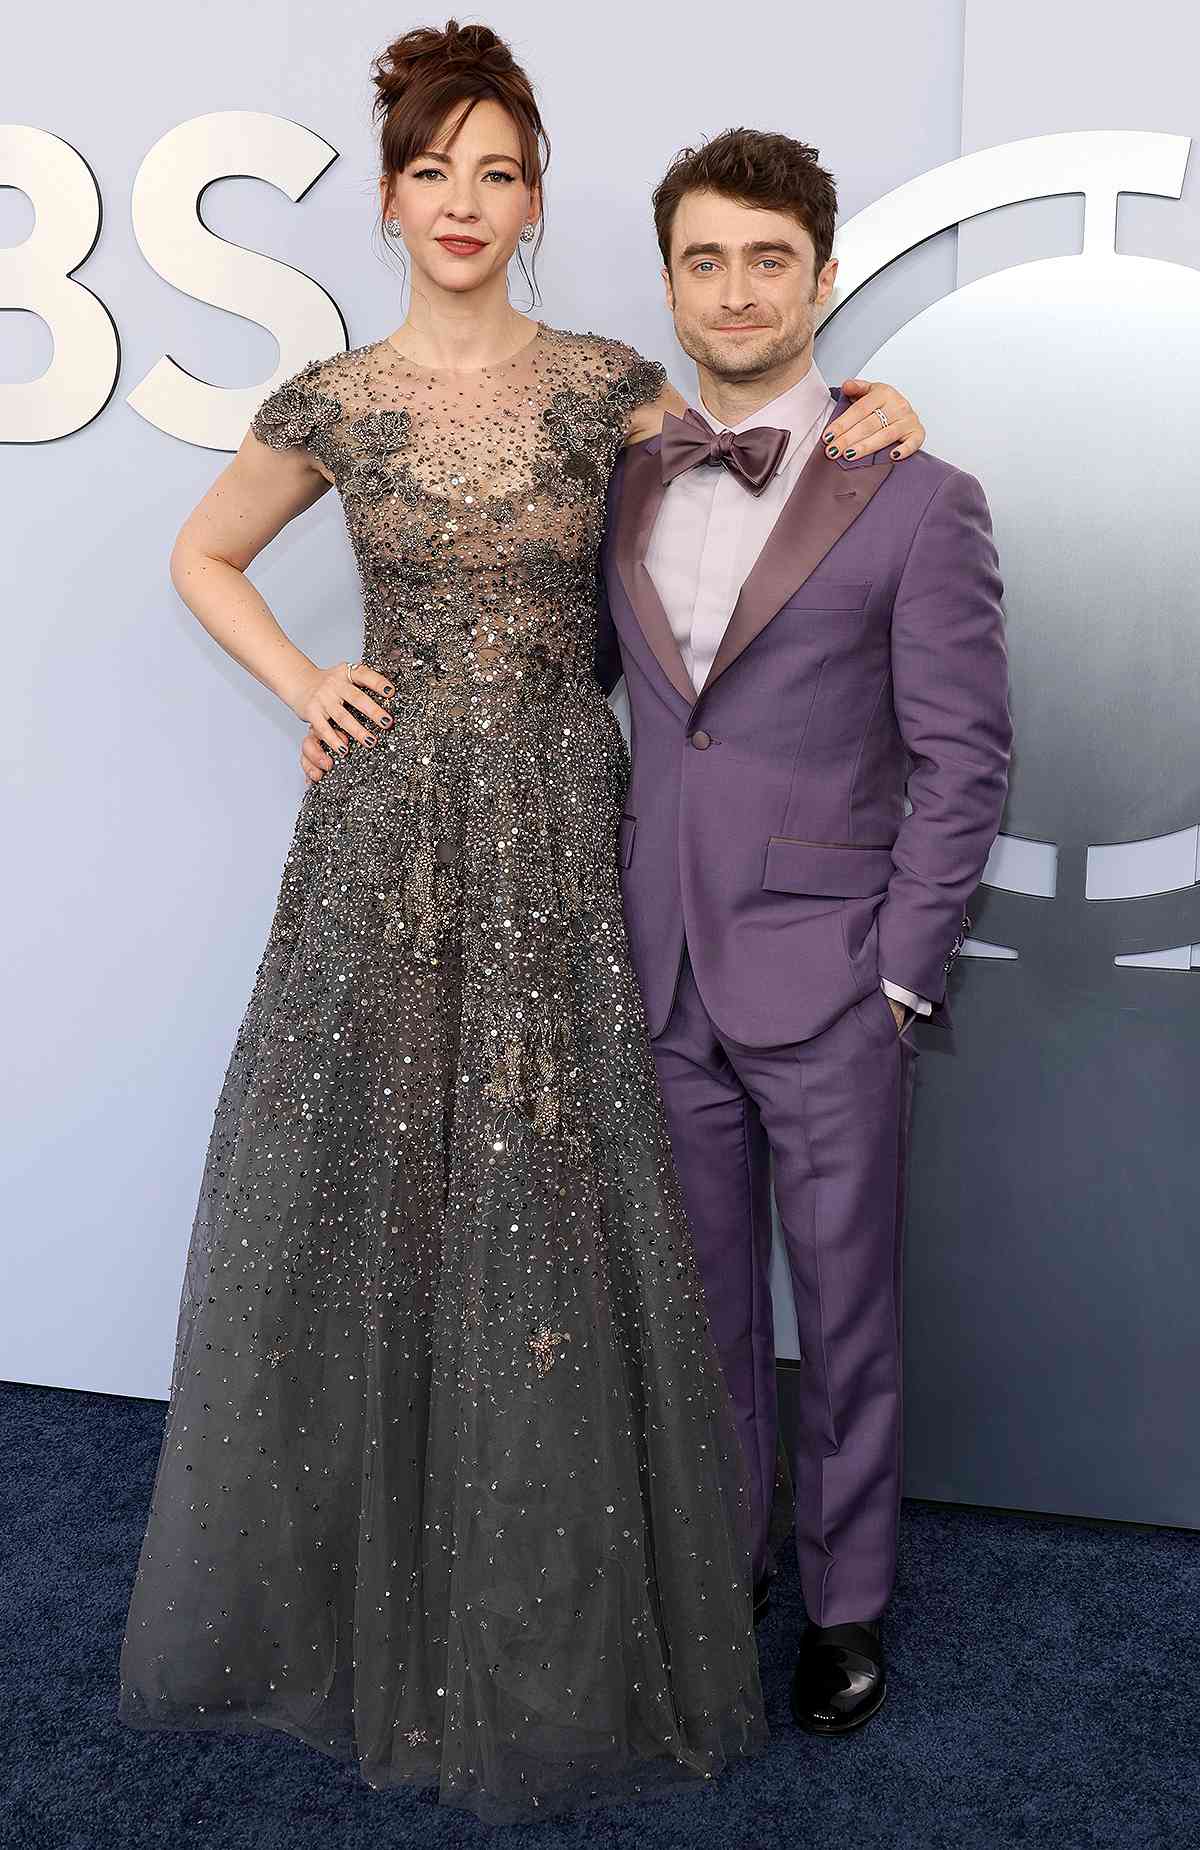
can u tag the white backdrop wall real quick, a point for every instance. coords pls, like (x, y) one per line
(151, 785)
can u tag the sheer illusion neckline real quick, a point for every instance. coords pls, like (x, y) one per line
(466, 372)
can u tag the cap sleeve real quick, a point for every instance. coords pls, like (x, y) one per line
(297, 413)
(635, 381)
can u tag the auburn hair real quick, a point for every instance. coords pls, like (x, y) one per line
(424, 75)
(757, 169)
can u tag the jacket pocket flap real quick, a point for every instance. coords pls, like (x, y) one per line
(830, 594)
(625, 835)
(829, 869)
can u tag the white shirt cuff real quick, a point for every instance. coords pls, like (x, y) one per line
(918, 1004)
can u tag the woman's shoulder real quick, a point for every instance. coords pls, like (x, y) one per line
(312, 399)
(609, 364)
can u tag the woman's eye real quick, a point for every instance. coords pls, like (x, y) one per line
(497, 173)
(428, 173)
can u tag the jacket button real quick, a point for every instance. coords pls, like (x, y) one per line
(701, 740)
(445, 852)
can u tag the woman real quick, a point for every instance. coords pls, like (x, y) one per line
(449, 1483)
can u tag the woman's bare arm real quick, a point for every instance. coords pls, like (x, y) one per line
(647, 419)
(252, 500)
(858, 432)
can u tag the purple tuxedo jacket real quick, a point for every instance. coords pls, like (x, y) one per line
(765, 817)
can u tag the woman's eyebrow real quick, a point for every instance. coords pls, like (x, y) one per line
(485, 160)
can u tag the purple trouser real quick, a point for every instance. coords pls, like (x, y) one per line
(833, 1114)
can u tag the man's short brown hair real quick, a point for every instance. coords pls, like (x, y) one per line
(772, 172)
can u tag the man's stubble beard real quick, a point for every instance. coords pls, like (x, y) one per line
(781, 349)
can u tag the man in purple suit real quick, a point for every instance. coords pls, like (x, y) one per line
(803, 634)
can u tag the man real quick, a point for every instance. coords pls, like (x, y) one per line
(797, 628)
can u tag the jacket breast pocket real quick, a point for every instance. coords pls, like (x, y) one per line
(625, 834)
(843, 597)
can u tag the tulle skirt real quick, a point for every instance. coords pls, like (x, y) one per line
(449, 1482)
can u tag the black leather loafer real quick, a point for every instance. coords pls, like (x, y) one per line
(839, 1681)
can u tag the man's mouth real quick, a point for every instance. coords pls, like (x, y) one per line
(461, 247)
(742, 327)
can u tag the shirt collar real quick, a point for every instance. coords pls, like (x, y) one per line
(795, 411)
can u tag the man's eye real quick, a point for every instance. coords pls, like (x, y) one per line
(705, 265)
(770, 263)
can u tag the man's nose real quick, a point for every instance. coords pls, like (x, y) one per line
(737, 296)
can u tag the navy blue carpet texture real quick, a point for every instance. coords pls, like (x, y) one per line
(1044, 1691)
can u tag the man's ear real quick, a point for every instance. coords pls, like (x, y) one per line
(825, 282)
(670, 293)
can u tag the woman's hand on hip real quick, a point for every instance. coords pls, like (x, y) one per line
(335, 706)
(314, 758)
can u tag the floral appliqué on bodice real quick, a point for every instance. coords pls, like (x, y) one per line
(475, 505)
(474, 501)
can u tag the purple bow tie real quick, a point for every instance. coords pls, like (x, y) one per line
(751, 455)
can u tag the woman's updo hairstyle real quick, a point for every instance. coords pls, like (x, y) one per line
(424, 75)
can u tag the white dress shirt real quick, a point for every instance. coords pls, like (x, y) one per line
(710, 531)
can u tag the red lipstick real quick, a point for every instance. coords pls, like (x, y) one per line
(461, 247)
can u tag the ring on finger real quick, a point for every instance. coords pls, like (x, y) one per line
(350, 667)
(882, 415)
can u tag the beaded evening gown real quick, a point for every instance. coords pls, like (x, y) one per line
(449, 1482)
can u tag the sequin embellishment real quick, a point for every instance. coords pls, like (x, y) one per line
(545, 1345)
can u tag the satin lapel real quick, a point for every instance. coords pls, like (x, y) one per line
(641, 498)
(826, 500)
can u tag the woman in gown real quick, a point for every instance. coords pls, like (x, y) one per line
(449, 1483)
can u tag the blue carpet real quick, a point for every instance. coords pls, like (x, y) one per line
(1044, 1692)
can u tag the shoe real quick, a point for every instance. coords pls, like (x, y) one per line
(839, 1681)
(762, 1597)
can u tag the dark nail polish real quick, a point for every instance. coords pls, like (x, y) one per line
(828, 437)
(850, 453)
(895, 456)
(832, 450)
(386, 720)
